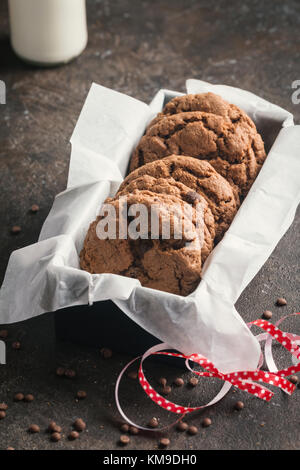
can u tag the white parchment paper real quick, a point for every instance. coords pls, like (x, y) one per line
(46, 276)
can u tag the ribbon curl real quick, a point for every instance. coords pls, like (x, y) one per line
(244, 380)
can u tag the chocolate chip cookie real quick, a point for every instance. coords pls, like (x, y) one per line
(215, 104)
(185, 177)
(233, 150)
(208, 103)
(166, 263)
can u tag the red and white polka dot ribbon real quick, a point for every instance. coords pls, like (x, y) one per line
(249, 381)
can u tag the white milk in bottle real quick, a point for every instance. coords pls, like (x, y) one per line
(48, 32)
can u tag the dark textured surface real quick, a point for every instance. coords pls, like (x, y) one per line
(138, 47)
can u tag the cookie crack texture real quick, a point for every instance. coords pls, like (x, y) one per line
(206, 127)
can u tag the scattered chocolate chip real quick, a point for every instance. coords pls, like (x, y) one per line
(267, 314)
(294, 379)
(73, 435)
(55, 437)
(124, 427)
(29, 398)
(166, 390)
(281, 302)
(15, 229)
(153, 423)
(81, 394)
(133, 430)
(124, 440)
(3, 334)
(182, 426)
(164, 442)
(34, 428)
(16, 345)
(70, 373)
(206, 422)
(79, 425)
(34, 208)
(239, 405)
(179, 382)
(3, 406)
(132, 375)
(106, 353)
(53, 427)
(163, 381)
(19, 397)
(192, 430)
(60, 371)
(2, 414)
(193, 381)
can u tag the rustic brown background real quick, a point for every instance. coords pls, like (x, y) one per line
(137, 47)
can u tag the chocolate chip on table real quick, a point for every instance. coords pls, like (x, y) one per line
(192, 430)
(106, 353)
(124, 439)
(53, 427)
(81, 394)
(153, 423)
(132, 375)
(193, 381)
(3, 406)
(179, 382)
(163, 381)
(164, 442)
(79, 425)
(2, 414)
(239, 405)
(280, 302)
(206, 422)
(182, 426)
(34, 428)
(15, 229)
(166, 390)
(70, 373)
(294, 379)
(16, 345)
(34, 208)
(267, 314)
(60, 371)
(19, 397)
(124, 427)
(29, 398)
(55, 437)
(73, 435)
(133, 430)
(3, 334)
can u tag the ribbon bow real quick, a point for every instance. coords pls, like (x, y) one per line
(249, 381)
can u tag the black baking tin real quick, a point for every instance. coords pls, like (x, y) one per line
(102, 324)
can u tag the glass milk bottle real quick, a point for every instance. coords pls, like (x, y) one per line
(48, 32)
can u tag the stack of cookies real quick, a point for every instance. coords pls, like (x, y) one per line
(196, 163)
